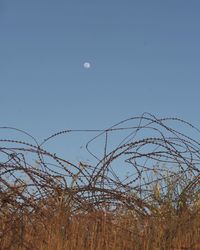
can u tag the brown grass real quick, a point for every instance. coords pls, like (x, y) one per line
(59, 230)
(53, 204)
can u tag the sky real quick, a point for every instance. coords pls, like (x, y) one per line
(144, 55)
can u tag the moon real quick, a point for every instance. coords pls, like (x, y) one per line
(87, 65)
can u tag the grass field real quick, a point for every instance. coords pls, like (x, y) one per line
(53, 204)
(54, 227)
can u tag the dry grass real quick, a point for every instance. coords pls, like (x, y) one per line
(53, 204)
(59, 230)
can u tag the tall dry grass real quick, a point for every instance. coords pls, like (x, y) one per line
(59, 229)
(54, 204)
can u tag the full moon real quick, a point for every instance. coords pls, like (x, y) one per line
(87, 65)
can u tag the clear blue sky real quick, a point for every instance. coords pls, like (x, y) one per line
(145, 56)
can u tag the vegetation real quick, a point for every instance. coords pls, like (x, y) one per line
(140, 192)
